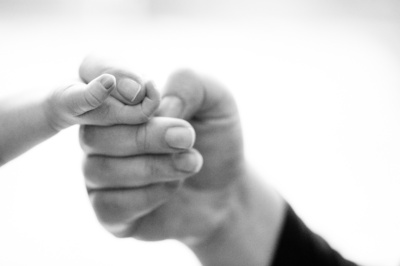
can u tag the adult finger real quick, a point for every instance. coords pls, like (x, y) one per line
(118, 209)
(212, 111)
(159, 135)
(110, 172)
(130, 87)
(188, 95)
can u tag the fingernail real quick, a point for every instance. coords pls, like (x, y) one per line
(171, 106)
(180, 137)
(129, 88)
(188, 162)
(108, 81)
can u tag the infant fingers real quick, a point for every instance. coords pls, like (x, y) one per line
(81, 99)
(130, 88)
(114, 112)
(134, 114)
(152, 100)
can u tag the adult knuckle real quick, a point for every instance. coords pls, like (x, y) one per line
(112, 70)
(141, 138)
(88, 168)
(152, 166)
(183, 73)
(121, 234)
(107, 209)
(88, 135)
(96, 171)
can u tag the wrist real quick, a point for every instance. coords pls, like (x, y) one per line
(249, 233)
(52, 113)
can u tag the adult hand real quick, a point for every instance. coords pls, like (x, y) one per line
(145, 180)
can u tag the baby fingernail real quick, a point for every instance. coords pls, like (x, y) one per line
(188, 162)
(180, 137)
(108, 81)
(129, 88)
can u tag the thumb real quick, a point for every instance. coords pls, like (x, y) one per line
(83, 99)
(131, 88)
(189, 96)
(212, 111)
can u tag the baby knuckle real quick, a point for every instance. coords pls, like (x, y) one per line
(92, 100)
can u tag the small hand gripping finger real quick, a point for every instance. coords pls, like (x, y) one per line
(67, 105)
(130, 87)
(114, 112)
(152, 100)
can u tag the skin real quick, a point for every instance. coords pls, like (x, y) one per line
(25, 122)
(204, 195)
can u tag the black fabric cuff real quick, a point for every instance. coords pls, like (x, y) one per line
(299, 246)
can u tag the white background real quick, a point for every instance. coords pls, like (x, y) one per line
(318, 87)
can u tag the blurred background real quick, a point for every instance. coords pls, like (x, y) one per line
(317, 84)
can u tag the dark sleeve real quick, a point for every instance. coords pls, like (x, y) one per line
(299, 246)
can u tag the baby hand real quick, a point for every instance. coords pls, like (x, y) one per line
(91, 104)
